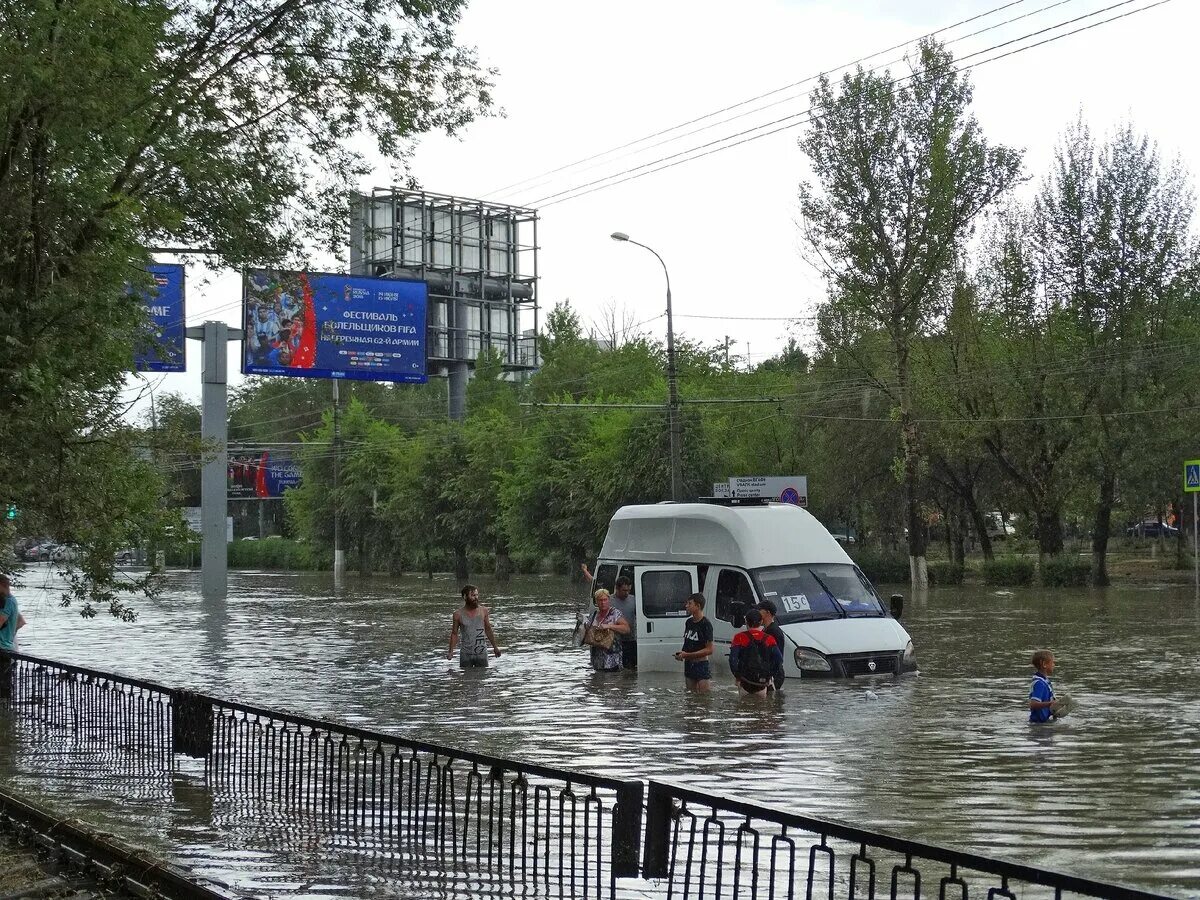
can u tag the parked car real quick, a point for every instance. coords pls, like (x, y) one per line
(65, 553)
(1152, 528)
(125, 556)
(40, 552)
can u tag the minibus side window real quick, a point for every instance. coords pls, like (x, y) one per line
(606, 577)
(734, 596)
(665, 593)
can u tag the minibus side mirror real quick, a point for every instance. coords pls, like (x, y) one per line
(897, 605)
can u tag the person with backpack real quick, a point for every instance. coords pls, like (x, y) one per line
(754, 656)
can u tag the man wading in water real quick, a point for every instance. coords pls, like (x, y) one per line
(472, 620)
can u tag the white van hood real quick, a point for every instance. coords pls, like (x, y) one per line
(838, 636)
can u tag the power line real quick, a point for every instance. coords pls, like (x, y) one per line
(788, 122)
(756, 98)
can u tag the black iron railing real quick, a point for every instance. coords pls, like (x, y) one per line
(427, 812)
(704, 846)
(427, 808)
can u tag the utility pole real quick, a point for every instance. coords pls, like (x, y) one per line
(214, 430)
(339, 555)
(727, 351)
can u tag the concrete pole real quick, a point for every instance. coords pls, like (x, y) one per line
(214, 430)
(339, 554)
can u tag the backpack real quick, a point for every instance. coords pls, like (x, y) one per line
(755, 665)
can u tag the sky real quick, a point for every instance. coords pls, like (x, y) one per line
(575, 81)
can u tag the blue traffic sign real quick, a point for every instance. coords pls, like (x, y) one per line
(1191, 476)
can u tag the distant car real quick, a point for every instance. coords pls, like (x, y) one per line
(1152, 528)
(125, 556)
(40, 552)
(65, 553)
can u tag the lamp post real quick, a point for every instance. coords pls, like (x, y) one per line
(674, 429)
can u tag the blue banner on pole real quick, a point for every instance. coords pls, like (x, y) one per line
(317, 325)
(165, 349)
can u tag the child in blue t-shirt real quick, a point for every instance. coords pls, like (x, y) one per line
(1041, 694)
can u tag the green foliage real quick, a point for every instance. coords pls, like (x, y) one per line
(1065, 571)
(883, 568)
(943, 573)
(230, 126)
(903, 170)
(1008, 571)
(277, 553)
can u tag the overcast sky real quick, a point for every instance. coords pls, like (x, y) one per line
(577, 80)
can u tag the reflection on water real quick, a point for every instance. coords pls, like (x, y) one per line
(946, 757)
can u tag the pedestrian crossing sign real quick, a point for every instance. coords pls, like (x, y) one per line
(1191, 476)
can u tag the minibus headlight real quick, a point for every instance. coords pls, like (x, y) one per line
(809, 660)
(910, 654)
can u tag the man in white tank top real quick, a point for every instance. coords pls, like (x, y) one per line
(474, 625)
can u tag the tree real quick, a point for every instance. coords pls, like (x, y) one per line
(903, 171)
(209, 124)
(1113, 227)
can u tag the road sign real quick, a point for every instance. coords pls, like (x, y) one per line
(787, 488)
(1191, 476)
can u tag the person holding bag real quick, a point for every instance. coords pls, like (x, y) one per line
(601, 631)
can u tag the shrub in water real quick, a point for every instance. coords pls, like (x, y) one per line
(1008, 571)
(1065, 571)
(944, 572)
(883, 568)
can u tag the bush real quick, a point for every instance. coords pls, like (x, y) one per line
(943, 572)
(1008, 571)
(277, 553)
(883, 568)
(1066, 571)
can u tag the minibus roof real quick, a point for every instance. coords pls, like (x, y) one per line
(750, 537)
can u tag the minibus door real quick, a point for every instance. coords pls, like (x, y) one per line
(662, 592)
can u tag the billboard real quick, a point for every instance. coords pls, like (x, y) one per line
(165, 350)
(260, 477)
(784, 488)
(318, 325)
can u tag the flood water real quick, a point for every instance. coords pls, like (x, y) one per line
(1112, 793)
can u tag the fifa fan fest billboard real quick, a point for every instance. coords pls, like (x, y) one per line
(165, 345)
(318, 325)
(260, 476)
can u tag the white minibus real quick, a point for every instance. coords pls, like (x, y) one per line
(738, 555)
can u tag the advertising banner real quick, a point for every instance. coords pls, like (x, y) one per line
(260, 477)
(164, 303)
(316, 325)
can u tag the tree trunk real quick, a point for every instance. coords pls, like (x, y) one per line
(1185, 525)
(979, 523)
(1049, 532)
(503, 562)
(364, 557)
(917, 567)
(1101, 525)
(959, 550)
(461, 569)
(428, 562)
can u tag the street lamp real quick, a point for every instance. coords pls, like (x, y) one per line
(674, 429)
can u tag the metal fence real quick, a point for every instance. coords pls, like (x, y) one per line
(430, 810)
(426, 813)
(704, 846)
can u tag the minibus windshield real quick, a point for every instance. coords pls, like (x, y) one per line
(802, 593)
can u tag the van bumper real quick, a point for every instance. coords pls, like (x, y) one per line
(854, 665)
